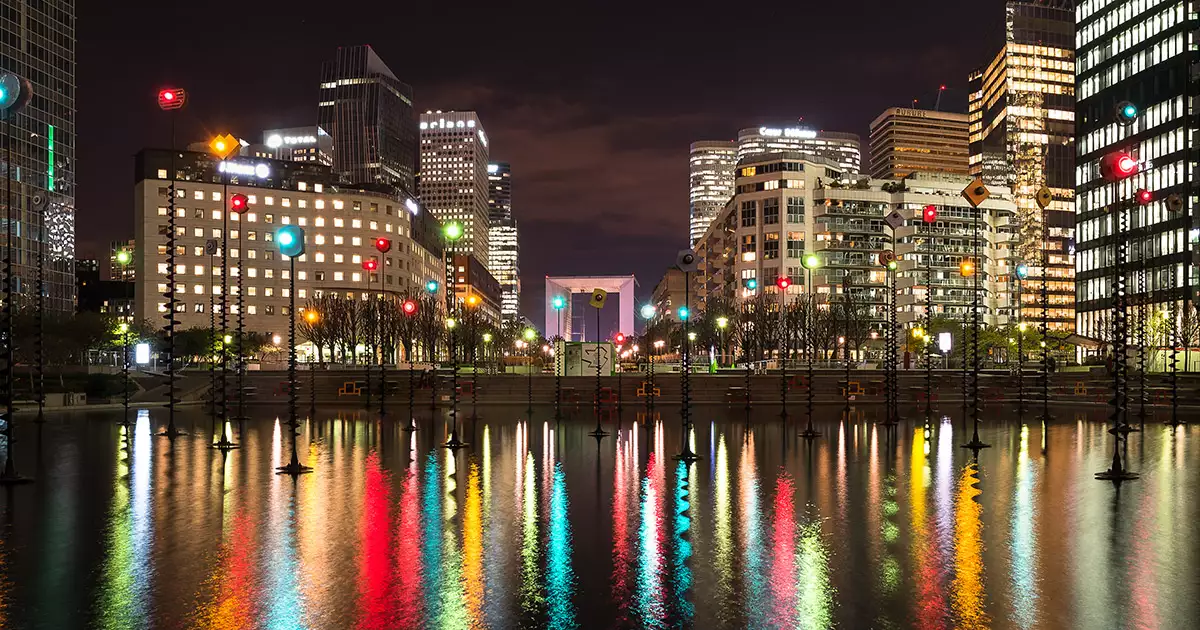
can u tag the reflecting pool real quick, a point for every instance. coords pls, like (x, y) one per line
(537, 524)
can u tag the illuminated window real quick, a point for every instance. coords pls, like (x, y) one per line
(319, 257)
(356, 223)
(216, 196)
(337, 204)
(319, 204)
(286, 202)
(338, 276)
(356, 259)
(319, 239)
(338, 239)
(198, 289)
(337, 258)
(356, 277)
(270, 201)
(198, 195)
(319, 221)
(356, 241)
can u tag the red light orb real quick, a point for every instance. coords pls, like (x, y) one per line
(783, 282)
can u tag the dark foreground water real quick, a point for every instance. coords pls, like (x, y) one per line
(537, 525)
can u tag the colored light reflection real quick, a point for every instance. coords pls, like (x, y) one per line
(754, 605)
(814, 593)
(682, 579)
(783, 566)
(408, 547)
(374, 561)
(966, 595)
(560, 576)
(1024, 540)
(650, 598)
(126, 574)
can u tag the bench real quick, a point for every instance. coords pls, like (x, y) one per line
(351, 388)
(645, 390)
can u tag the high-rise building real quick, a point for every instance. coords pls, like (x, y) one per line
(711, 166)
(1142, 53)
(39, 45)
(470, 278)
(298, 144)
(843, 149)
(369, 114)
(789, 205)
(1022, 125)
(454, 177)
(906, 141)
(504, 249)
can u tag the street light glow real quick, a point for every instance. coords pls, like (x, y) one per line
(454, 231)
(529, 334)
(722, 321)
(558, 302)
(648, 311)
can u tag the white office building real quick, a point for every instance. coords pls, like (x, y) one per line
(843, 149)
(454, 177)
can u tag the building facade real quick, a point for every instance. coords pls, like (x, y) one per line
(341, 224)
(843, 149)
(1137, 51)
(710, 164)
(471, 279)
(38, 44)
(789, 204)
(369, 114)
(906, 141)
(504, 244)
(1022, 125)
(454, 177)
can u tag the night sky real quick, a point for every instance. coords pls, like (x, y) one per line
(594, 104)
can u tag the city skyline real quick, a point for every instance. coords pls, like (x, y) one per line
(557, 127)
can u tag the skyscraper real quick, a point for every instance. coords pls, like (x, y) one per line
(504, 246)
(454, 177)
(843, 149)
(711, 164)
(39, 45)
(369, 114)
(1022, 126)
(906, 141)
(1140, 52)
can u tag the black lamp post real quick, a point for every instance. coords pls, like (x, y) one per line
(810, 262)
(410, 307)
(222, 147)
(558, 303)
(782, 283)
(452, 232)
(290, 241)
(171, 100)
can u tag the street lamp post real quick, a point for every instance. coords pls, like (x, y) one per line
(1022, 273)
(123, 329)
(369, 266)
(558, 303)
(238, 204)
(222, 147)
(722, 324)
(171, 100)
(409, 307)
(648, 311)
(810, 262)
(472, 315)
(452, 232)
(383, 246)
(290, 241)
(972, 193)
(431, 286)
(783, 282)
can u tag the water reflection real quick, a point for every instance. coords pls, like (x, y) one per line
(536, 525)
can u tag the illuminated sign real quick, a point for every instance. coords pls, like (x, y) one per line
(790, 132)
(411, 205)
(275, 140)
(492, 168)
(250, 170)
(442, 123)
(141, 353)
